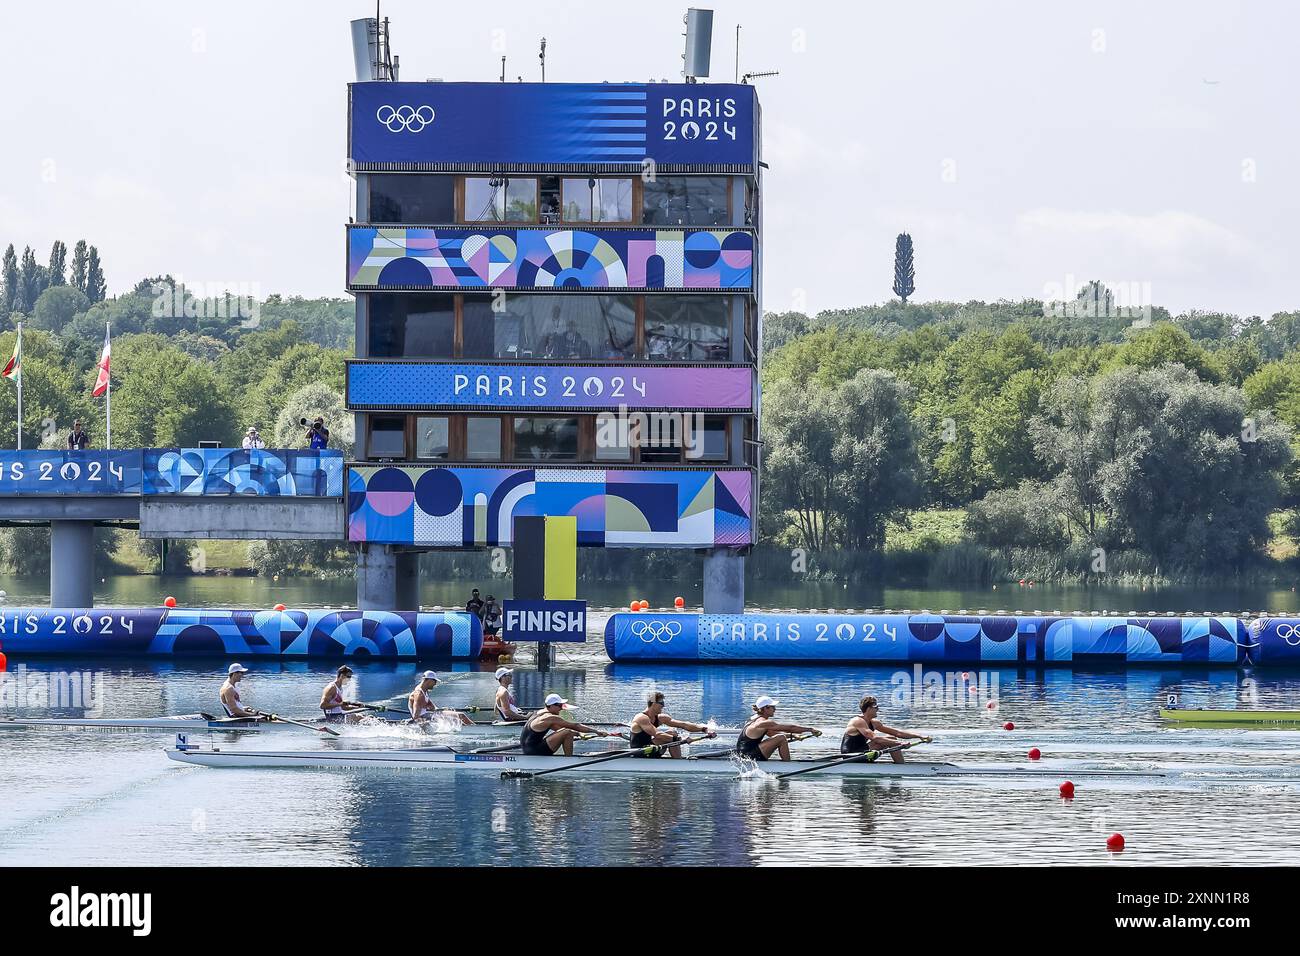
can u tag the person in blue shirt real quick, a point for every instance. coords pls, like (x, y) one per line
(318, 436)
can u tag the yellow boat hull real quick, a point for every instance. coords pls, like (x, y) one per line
(1235, 717)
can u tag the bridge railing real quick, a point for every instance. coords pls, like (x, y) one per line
(268, 472)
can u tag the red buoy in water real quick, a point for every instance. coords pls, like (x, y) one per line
(634, 606)
(169, 601)
(1115, 842)
(4, 662)
(280, 607)
(993, 705)
(679, 602)
(1008, 726)
(1035, 753)
(1066, 790)
(645, 605)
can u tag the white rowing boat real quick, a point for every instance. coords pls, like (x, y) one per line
(446, 758)
(207, 722)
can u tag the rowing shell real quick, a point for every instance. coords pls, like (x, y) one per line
(206, 722)
(1237, 717)
(443, 758)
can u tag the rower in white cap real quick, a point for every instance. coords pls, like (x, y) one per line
(546, 731)
(505, 705)
(422, 708)
(230, 695)
(762, 735)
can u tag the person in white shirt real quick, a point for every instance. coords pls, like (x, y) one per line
(253, 440)
(422, 708)
(506, 706)
(332, 701)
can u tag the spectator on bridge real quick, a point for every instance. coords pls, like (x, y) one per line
(253, 440)
(77, 438)
(318, 436)
(475, 604)
(491, 618)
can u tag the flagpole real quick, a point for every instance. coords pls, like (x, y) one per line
(20, 386)
(108, 404)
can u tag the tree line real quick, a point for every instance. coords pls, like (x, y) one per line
(1064, 443)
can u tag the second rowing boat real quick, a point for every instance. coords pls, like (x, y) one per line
(1229, 718)
(208, 722)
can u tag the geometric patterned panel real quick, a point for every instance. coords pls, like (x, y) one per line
(235, 471)
(412, 257)
(240, 634)
(930, 638)
(469, 507)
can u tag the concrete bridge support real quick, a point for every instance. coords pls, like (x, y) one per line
(72, 564)
(387, 579)
(724, 581)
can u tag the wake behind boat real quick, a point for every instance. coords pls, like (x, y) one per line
(208, 722)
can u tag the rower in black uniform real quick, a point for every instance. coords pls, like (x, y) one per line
(546, 731)
(762, 735)
(866, 732)
(644, 730)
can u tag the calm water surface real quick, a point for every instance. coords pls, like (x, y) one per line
(85, 797)
(94, 797)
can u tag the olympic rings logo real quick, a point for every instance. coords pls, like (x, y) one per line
(404, 119)
(661, 631)
(1289, 633)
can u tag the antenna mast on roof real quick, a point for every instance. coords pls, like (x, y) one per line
(372, 54)
(542, 56)
(699, 43)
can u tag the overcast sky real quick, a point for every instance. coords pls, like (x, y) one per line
(1023, 145)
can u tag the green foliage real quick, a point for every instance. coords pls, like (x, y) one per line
(310, 401)
(162, 397)
(318, 558)
(302, 363)
(1026, 516)
(57, 306)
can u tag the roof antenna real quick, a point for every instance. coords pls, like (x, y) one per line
(737, 52)
(503, 69)
(699, 43)
(542, 56)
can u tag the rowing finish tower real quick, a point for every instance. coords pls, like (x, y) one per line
(557, 313)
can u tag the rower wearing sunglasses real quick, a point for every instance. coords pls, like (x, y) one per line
(646, 727)
(866, 732)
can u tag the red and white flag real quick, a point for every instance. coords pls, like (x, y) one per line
(13, 370)
(101, 381)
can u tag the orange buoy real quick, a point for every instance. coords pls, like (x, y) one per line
(280, 607)
(169, 601)
(1035, 753)
(1066, 790)
(679, 602)
(4, 662)
(1008, 726)
(634, 606)
(1115, 842)
(645, 605)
